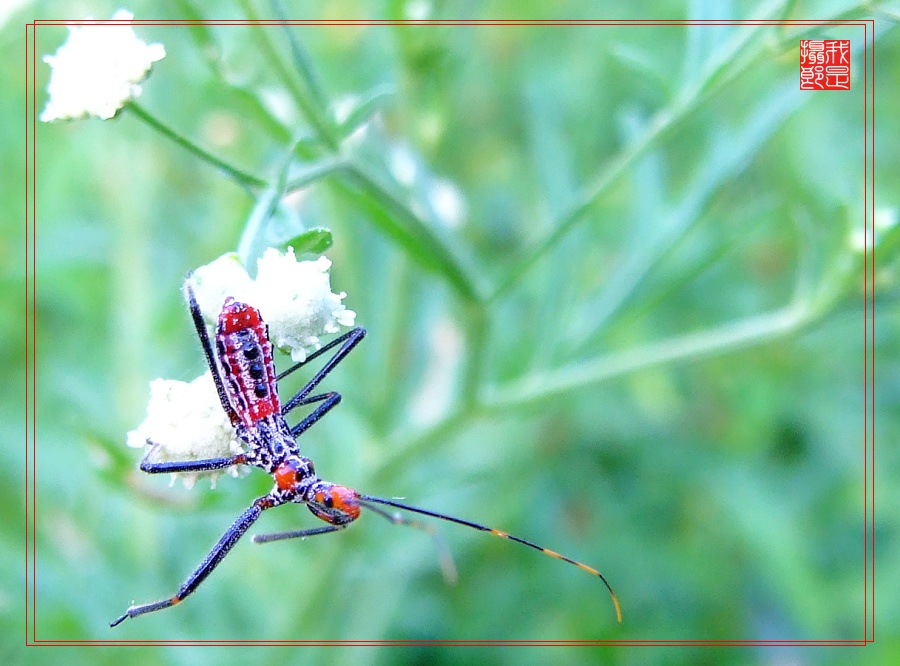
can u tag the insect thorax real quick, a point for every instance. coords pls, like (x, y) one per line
(270, 442)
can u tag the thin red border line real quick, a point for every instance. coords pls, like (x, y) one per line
(865, 467)
(451, 22)
(435, 23)
(849, 22)
(28, 117)
(868, 403)
(872, 351)
(34, 335)
(681, 642)
(870, 526)
(630, 641)
(472, 22)
(865, 369)
(33, 332)
(472, 641)
(675, 642)
(448, 642)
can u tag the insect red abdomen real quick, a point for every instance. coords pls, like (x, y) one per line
(245, 354)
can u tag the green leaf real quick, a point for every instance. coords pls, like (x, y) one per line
(311, 241)
(430, 245)
(365, 107)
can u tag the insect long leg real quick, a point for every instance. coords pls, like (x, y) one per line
(484, 528)
(347, 341)
(203, 334)
(205, 465)
(329, 401)
(448, 568)
(210, 562)
(296, 534)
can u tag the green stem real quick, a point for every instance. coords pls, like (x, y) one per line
(681, 108)
(303, 62)
(316, 116)
(265, 208)
(246, 179)
(317, 171)
(540, 387)
(731, 151)
(443, 256)
(312, 101)
(607, 177)
(693, 346)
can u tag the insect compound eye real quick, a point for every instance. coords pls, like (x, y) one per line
(324, 498)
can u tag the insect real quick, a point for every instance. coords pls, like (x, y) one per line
(244, 374)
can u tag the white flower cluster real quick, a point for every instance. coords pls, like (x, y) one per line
(185, 421)
(294, 297)
(97, 70)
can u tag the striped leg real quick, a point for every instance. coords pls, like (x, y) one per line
(329, 401)
(296, 534)
(347, 341)
(203, 334)
(206, 465)
(210, 562)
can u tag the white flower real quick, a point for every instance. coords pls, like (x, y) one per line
(214, 282)
(97, 70)
(185, 421)
(295, 299)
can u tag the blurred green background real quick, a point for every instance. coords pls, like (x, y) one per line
(614, 306)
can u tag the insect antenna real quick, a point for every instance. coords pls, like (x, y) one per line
(445, 557)
(366, 499)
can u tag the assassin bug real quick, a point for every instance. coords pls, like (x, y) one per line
(244, 374)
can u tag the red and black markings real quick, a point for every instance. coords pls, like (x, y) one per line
(290, 474)
(333, 503)
(245, 355)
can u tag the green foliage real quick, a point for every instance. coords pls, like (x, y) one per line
(612, 303)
